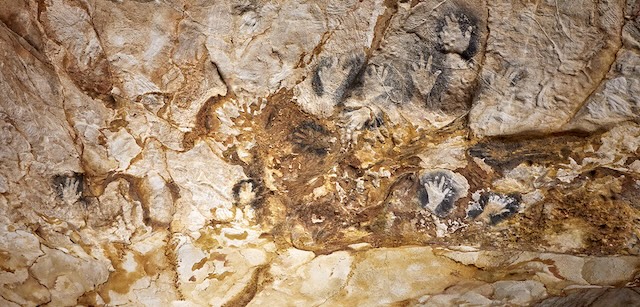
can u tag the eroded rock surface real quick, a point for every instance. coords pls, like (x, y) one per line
(328, 153)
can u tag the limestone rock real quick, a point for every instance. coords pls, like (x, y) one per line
(327, 153)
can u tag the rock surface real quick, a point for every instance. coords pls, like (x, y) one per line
(329, 153)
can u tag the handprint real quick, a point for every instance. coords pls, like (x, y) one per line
(438, 190)
(452, 38)
(504, 82)
(70, 191)
(423, 78)
(492, 207)
(321, 75)
(334, 75)
(311, 137)
(386, 82)
(378, 73)
(376, 82)
(354, 121)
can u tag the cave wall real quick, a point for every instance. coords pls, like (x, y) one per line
(319, 153)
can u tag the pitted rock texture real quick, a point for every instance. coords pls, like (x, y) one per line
(327, 153)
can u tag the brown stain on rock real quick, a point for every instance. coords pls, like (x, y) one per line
(120, 280)
(505, 153)
(245, 296)
(89, 298)
(146, 265)
(207, 122)
(240, 236)
(5, 257)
